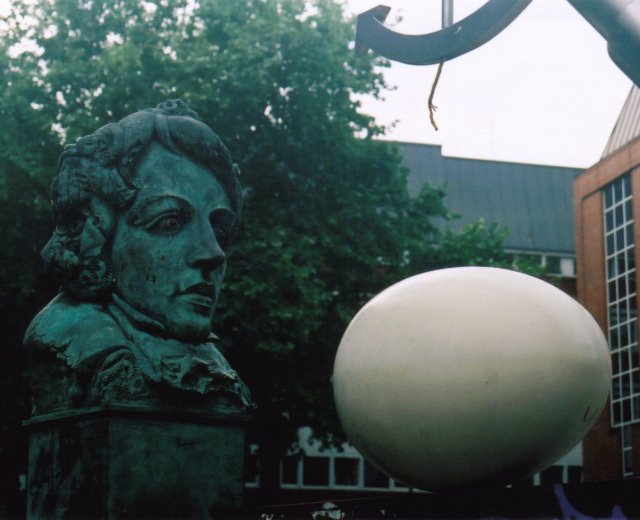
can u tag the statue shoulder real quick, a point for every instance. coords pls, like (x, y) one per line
(78, 332)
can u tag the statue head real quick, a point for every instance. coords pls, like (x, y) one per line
(146, 208)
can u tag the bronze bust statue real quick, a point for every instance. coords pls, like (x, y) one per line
(145, 210)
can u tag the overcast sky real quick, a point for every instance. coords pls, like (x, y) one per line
(543, 91)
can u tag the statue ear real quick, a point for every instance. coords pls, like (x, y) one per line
(78, 252)
(98, 226)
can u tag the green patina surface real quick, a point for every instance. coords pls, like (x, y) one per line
(145, 211)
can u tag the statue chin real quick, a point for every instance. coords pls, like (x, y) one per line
(187, 318)
(189, 327)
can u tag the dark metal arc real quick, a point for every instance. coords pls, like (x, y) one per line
(446, 44)
(619, 22)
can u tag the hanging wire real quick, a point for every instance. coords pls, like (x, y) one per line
(447, 20)
(432, 107)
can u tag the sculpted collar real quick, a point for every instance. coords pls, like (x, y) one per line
(197, 367)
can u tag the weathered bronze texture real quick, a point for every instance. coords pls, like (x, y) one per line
(121, 461)
(145, 210)
(135, 413)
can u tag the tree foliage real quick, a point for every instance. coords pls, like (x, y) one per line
(328, 221)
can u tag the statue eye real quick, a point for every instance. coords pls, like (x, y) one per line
(222, 236)
(222, 223)
(166, 224)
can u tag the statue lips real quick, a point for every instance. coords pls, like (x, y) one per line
(201, 295)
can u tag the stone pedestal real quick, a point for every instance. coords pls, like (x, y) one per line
(127, 462)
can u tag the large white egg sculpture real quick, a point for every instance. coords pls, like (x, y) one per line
(469, 376)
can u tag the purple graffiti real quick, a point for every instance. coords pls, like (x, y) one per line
(571, 513)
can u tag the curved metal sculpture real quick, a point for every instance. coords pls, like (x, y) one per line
(448, 43)
(618, 21)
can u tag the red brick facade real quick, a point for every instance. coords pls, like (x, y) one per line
(602, 446)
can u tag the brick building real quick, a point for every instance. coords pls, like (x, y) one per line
(605, 203)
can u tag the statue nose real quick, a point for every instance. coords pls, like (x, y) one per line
(206, 252)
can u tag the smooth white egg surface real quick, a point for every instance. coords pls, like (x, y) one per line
(469, 376)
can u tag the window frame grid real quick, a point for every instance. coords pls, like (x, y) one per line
(622, 319)
(392, 485)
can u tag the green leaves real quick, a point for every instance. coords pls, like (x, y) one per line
(328, 222)
(476, 244)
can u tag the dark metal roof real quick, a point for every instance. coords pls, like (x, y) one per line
(627, 127)
(534, 202)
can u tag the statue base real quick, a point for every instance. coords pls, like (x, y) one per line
(120, 461)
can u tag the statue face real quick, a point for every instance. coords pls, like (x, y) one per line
(168, 248)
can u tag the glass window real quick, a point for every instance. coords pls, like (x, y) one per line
(568, 267)
(251, 474)
(628, 462)
(616, 315)
(574, 474)
(346, 471)
(624, 361)
(619, 219)
(624, 335)
(315, 471)
(610, 244)
(622, 287)
(627, 438)
(289, 467)
(613, 338)
(626, 410)
(609, 219)
(631, 261)
(615, 362)
(553, 264)
(552, 475)
(617, 388)
(612, 268)
(617, 415)
(608, 196)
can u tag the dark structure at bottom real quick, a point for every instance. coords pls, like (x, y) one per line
(121, 462)
(619, 499)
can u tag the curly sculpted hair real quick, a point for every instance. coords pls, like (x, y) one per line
(96, 180)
